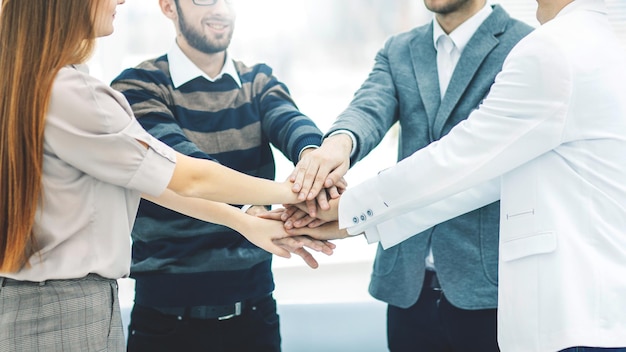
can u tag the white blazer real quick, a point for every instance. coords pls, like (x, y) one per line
(552, 134)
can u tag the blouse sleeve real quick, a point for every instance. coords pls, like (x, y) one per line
(91, 127)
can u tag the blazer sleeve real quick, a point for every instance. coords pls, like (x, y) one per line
(395, 230)
(523, 116)
(373, 109)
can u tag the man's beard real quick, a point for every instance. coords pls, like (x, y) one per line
(449, 8)
(200, 42)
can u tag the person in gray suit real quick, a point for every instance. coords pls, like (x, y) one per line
(441, 286)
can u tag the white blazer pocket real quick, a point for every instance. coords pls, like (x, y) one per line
(531, 244)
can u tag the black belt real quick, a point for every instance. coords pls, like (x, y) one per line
(221, 312)
(431, 281)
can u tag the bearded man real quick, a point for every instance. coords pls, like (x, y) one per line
(200, 286)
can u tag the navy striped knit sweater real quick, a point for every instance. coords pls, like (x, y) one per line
(178, 260)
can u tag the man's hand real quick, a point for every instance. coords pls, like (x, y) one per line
(322, 168)
(331, 214)
(294, 244)
(297, 246)
(292, 216)
(326, 232)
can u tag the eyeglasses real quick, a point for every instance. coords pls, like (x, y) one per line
(210, 2)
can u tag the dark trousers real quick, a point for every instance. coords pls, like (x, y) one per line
(593, 349)
(256, 330)
(432, 324)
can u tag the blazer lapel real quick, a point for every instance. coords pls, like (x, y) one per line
(475, 52)
(424, 59)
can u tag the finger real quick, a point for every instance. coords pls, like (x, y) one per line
(311, 208)
(327, 250)
(277, 250)
(322, 201)
(298, 214)
(295, 245)
(316, 245)
(328, 231)
(314, 181)
(288, 212)
(271, 215)
(342, 184)
(316, 223)
(307, 257)
(326, 247)
(330, 244)
(333, 192)
(335, 178)
(290, 243)
(298, 175)
(315, 233)
(305, 221)
(292, 176)
(294, 218)
(307, 179)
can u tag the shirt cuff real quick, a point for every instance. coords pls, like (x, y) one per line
(305, 148)
(371, 235)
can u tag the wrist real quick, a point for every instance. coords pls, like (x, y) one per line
(340, 140)
(306, 151)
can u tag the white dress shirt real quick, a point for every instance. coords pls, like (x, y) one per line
(449, 49)
(450, 46)
(183, 70)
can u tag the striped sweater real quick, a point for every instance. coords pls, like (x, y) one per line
(178, 260)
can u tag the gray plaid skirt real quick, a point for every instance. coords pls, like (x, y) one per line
(81, 315)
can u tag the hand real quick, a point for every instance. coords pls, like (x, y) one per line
(292, 216)
(324, 195)
(265, 234)
(321, 168)
(328, 231)
(331, 214)
(296, 245)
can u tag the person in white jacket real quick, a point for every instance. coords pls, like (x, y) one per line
(549, 141)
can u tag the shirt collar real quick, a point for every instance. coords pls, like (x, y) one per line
(463, 33)
(183, 70)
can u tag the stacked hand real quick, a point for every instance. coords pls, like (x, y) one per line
(318, 180)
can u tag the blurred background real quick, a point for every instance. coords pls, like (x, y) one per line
(322, 50)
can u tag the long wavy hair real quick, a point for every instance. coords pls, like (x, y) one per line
(37, 38)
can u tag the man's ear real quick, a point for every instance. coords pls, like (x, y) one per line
(168, 7)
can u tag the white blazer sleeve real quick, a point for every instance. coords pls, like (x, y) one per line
(397, 229)
(523, 116)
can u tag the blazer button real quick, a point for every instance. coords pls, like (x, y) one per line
(355, 220)
(370, 212)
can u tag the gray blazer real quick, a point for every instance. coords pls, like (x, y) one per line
(404, 86)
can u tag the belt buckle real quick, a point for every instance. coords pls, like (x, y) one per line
(432, 281)
(235, 314)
